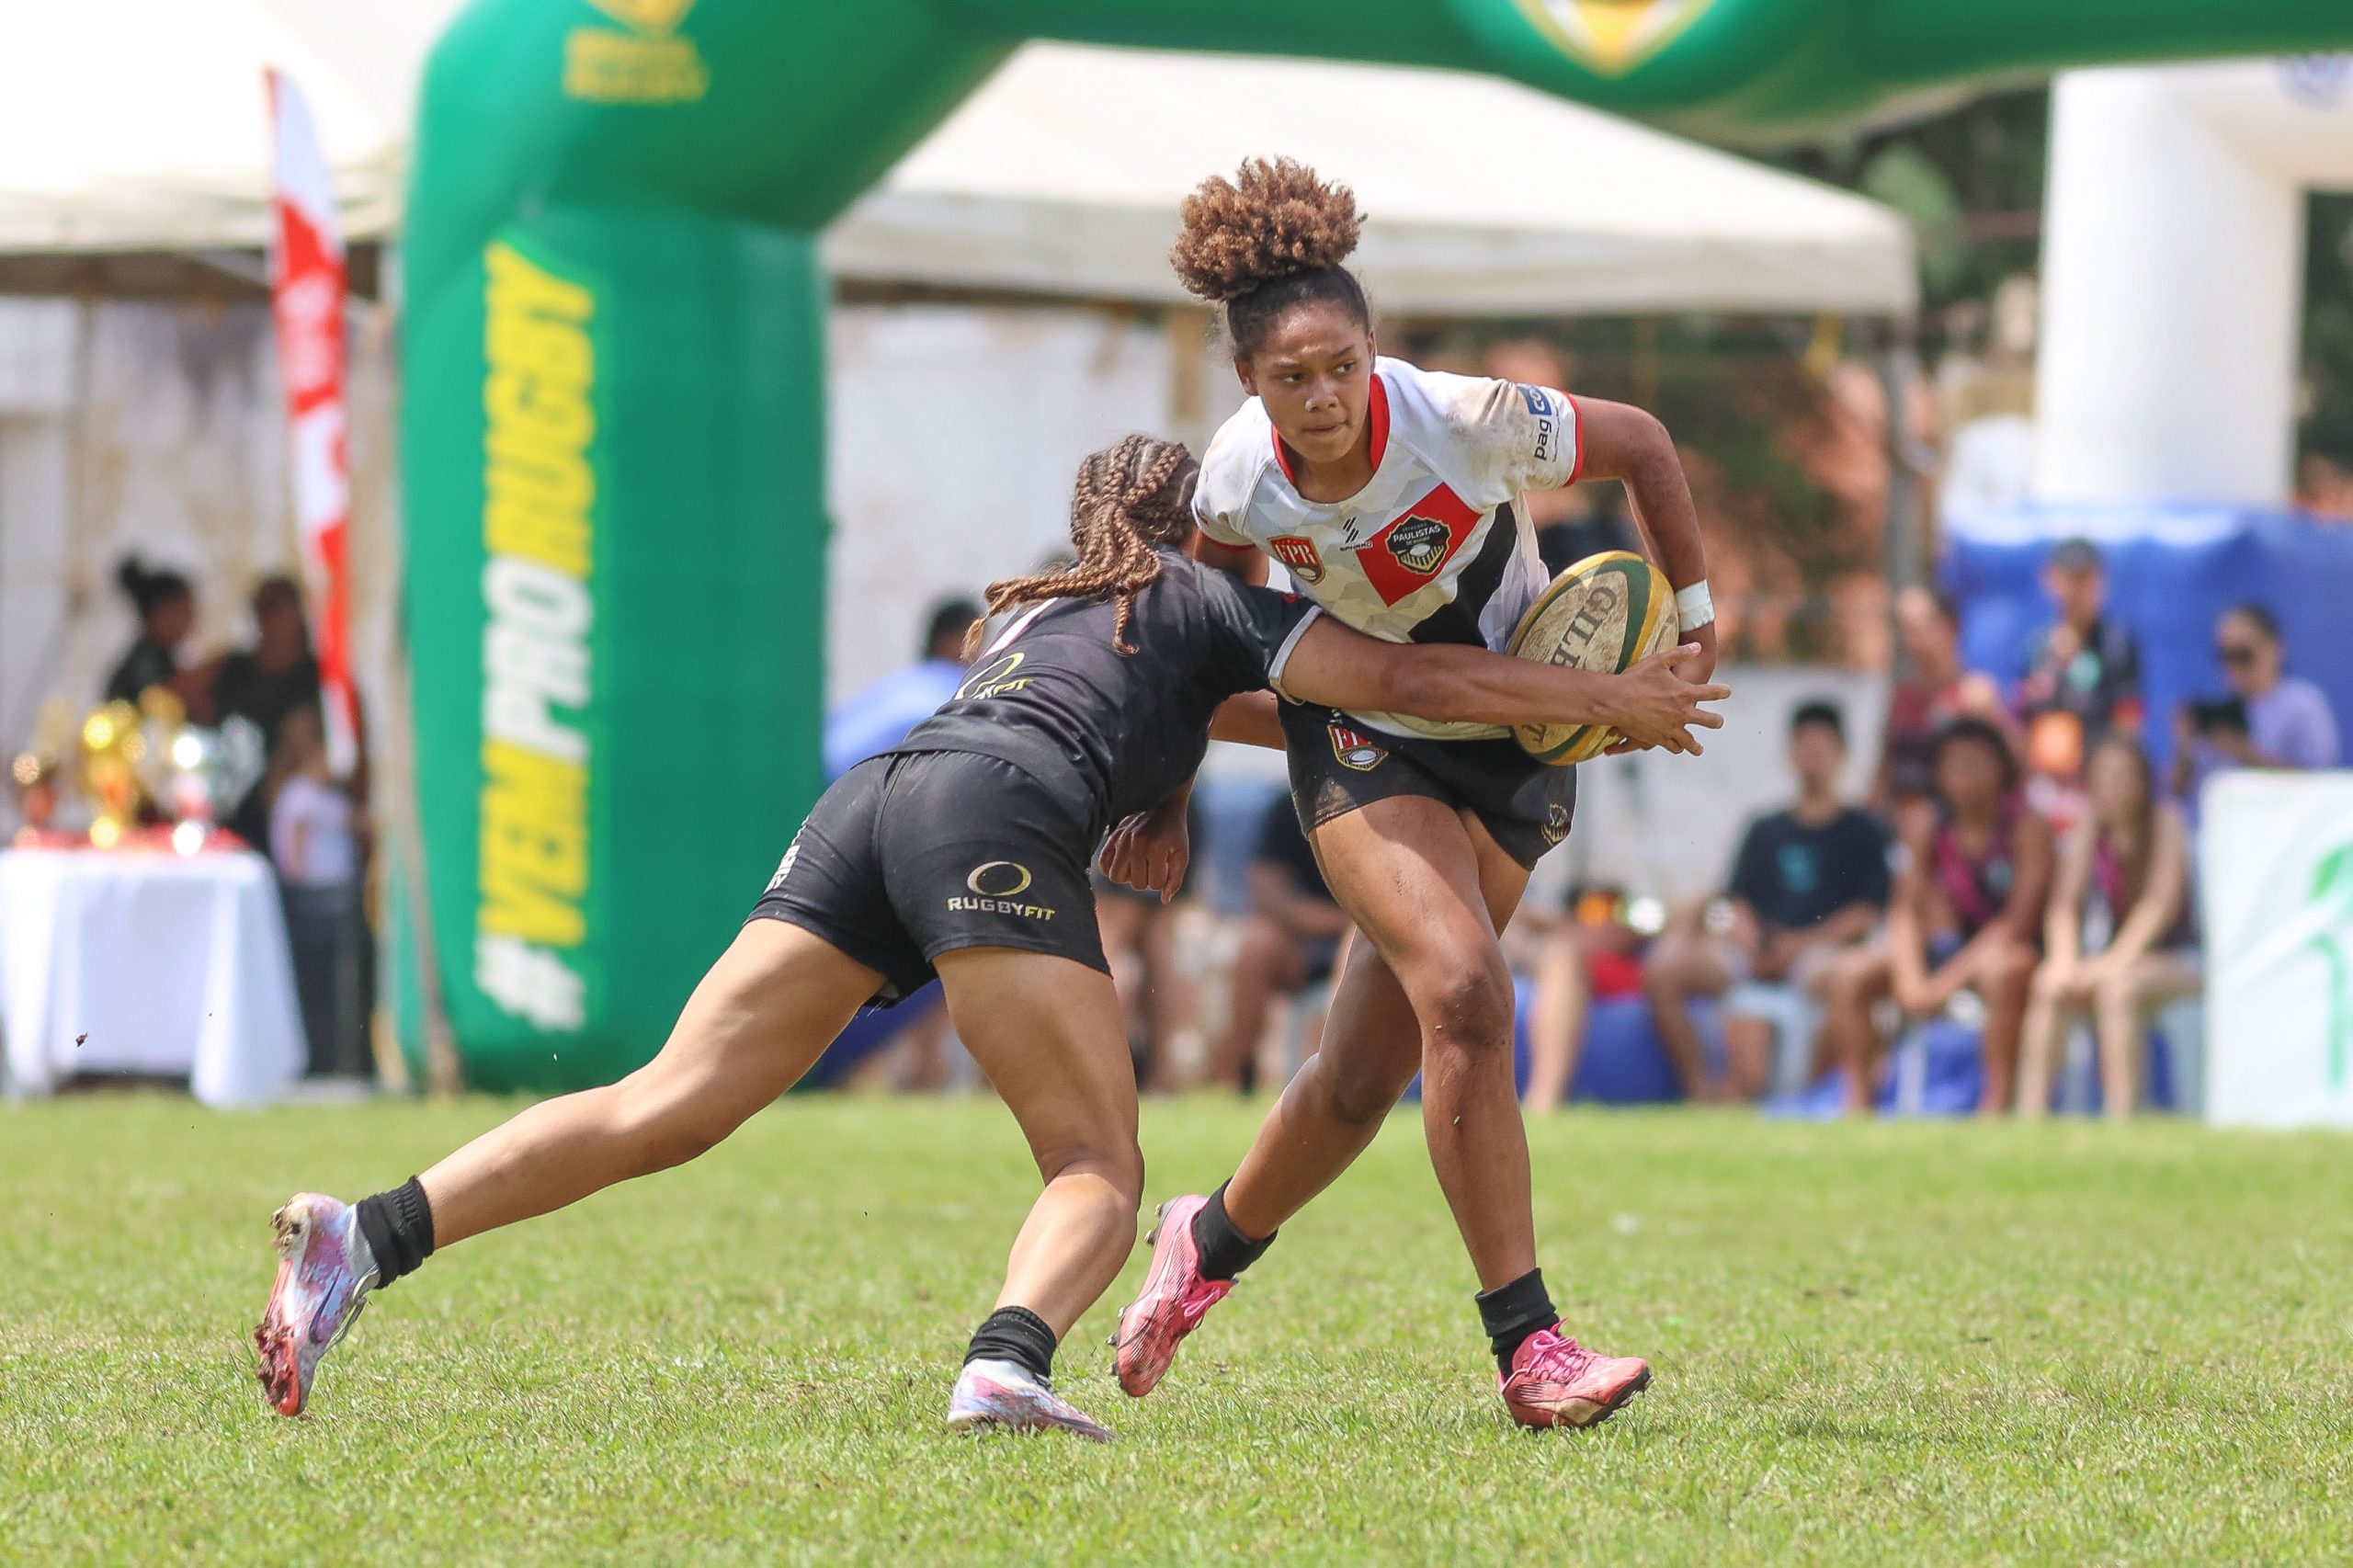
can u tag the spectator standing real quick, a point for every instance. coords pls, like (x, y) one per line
(2082, 679)
(166, 609)
(880, 717)
(1966, 914)
(1808, 883)
(315, 842)
(260, 687)
(2271, 720)
(2118, 942)
(1290, 942)
(1933, 688)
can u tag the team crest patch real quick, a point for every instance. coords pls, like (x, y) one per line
(1556, 823)
(1355, 749)
(1298, 553)
(1420, 544)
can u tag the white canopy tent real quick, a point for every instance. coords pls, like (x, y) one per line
(1058, 176)
(1063, 173)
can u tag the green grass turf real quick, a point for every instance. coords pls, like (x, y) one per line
(1876, 1344)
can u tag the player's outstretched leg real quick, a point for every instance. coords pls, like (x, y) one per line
(1048, 1032)
(774, 1000)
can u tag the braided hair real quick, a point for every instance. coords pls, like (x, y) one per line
(1129, 498)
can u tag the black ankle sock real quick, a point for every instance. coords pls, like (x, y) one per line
(1514, 1312)
(399, 1228)
(1015, 1334)
(1225, 1252)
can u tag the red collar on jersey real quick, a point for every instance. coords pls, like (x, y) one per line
(1379, 432)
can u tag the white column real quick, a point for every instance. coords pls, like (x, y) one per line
(2170, 300)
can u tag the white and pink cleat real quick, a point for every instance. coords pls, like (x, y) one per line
(1174, 1300)
(324, 1273)
(1555, 1382)
(1003, 1396)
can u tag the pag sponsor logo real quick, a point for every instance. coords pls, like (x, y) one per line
(537, 538)
(1299, 553)
(1419, 544)
(1353, 748)
(997, 889)
(994, 678)
(1548, 422)
(648, 63)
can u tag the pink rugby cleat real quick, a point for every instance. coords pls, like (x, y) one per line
(1555, 1382)
(1174, 1300)
(1002, 1396)
(323, 1277)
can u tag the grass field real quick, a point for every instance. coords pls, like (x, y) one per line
(1880, 1344)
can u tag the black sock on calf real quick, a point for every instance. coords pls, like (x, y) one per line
(399, 1228)
(1514, 1312)
(1224, 1251)
(1015, 1334)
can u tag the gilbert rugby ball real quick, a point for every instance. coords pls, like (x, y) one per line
(1604, 613)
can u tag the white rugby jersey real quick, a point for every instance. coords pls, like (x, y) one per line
(1434, 549)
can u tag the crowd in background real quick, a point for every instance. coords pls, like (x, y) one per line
(311, 825)
(2020, 871)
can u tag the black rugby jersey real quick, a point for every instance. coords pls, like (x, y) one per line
(1113, 734)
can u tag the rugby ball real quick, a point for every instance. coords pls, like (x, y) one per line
(1604, 613)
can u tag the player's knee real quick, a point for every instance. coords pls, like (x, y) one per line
(664, 1136)
(1470, 1009)
(1364, 1087)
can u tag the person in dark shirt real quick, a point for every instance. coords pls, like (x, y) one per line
(259, 687)
(166, 606)
(1290, 942)
(963, 852)
(1808, 883)
(2083, 680)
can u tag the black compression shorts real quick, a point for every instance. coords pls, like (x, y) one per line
(908, 856)
(1339, 765)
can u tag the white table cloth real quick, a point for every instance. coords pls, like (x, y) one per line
(147, 962)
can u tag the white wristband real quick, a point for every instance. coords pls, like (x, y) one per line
(1693, 606)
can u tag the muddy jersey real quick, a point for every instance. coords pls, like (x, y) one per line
(1436, 548)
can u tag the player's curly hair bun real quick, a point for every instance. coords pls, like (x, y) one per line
(1273, 220)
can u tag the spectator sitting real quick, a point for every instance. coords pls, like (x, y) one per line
(2118, 942)
(1290, 942)
(1808, 883)
(1966, 913)
(315, 842)
(880, 717)
(2271, 719)
(1934, 689)
(2083, 680)
(1595, 954)
(166, 607)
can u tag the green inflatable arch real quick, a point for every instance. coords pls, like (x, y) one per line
(614, 399)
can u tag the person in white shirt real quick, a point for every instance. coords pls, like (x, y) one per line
(1392, 495)
(315, 843)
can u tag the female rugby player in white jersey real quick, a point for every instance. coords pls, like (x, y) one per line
(1392, 494)
(961, 852)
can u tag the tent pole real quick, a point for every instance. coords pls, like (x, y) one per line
(1904, 545)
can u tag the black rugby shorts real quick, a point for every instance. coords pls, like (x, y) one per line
(908, 856)
(1339, 765)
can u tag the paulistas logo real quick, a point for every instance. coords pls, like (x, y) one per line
(1611, 36)
(648, 64)
(997, 887)
(1419, 544)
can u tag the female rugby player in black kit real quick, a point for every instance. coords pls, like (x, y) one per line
(962, 852)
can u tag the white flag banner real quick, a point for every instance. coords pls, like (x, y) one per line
(306, 295)
(2275, 861)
